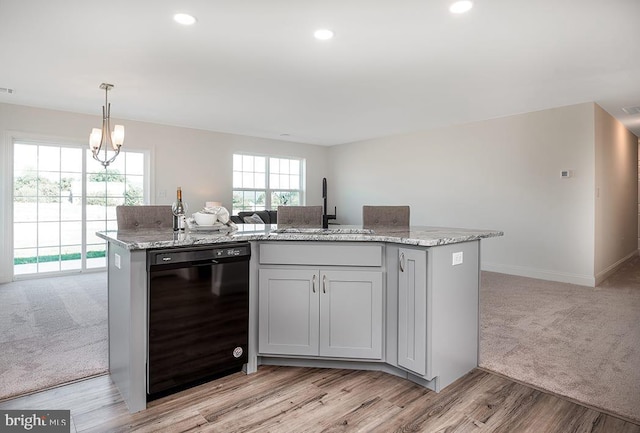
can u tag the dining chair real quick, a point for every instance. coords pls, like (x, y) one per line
(394, 217)
(144, 217)
(300, 216)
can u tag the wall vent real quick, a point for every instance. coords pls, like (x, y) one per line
(6, 90)
(632, 110)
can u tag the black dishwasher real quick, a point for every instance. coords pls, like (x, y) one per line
(198, 316)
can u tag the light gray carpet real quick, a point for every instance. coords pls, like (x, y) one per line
(579, 342)
(52, 331)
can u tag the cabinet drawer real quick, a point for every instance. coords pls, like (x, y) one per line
(334, 254)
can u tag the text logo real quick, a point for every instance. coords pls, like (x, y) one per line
(35, 421)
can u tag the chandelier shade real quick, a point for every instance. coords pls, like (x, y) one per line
(105, 140)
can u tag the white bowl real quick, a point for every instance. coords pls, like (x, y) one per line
(205, 219)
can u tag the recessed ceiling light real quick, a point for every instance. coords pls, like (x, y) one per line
(461, 7)
(184, 19)
(323, 34)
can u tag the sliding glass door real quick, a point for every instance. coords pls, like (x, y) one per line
(61, 197)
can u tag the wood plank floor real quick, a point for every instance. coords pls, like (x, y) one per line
(288, 399)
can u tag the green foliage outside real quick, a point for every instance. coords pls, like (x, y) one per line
(106, 176)
(55, 258)
(133, 195)
(29, 186)
(284, 198)
(248, 200)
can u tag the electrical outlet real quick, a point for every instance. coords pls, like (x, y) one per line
(457, 258)
(162, 193)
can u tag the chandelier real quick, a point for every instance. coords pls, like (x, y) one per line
(104, 138)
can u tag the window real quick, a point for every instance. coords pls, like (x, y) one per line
(122, 183)
(61, 197)
(262, 182)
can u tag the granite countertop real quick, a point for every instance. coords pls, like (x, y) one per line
(144, 239)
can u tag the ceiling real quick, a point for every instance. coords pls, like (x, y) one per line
(253, 67)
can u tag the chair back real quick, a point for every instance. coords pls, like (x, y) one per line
(300, 216)
(144, 217)
(390, 217)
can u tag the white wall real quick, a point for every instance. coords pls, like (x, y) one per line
(499, 174)
(616, 230)
(201, 161)
(198, 161)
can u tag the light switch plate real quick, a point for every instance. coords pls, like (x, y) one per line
(117, 264)
(457, 258)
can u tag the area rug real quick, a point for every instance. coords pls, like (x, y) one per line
(579, 342)
(52, 331)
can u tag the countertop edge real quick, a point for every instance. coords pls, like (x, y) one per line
(422, 237)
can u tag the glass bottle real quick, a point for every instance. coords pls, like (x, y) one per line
(179, 210)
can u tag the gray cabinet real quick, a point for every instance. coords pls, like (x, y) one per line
(412, 310)
(351, 314)
(328, 313)
(438, 311)
(288, 312)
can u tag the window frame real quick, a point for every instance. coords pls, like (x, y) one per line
(268, 190)
(85, 171)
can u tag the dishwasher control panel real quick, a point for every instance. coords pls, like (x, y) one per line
(167, 256)
(229, 252)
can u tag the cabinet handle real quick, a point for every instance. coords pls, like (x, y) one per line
(324, 284)
(313, 284)
(401, 262)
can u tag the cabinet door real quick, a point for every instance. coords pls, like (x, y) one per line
(288, 312)
(412, 310)
(351, 314)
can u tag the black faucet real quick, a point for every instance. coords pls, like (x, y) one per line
(325, 216)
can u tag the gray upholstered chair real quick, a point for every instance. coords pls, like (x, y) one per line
(389, 217)
(300, 216)
(144, 217)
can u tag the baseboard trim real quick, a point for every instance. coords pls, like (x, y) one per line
(541, 274)
(603, 275)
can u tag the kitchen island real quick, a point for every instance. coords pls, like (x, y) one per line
(403, 302)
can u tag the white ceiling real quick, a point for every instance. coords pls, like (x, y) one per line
(253, 67)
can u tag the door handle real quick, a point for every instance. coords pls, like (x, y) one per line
(324, 284)
(313, 283)
(401, 262)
